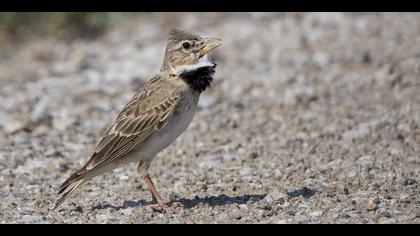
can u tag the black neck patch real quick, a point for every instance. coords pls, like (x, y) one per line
(200, 78)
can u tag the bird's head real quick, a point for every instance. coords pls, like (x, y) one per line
(187, 51)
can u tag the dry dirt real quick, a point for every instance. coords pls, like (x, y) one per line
(312, 118)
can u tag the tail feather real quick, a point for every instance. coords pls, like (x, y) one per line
(73, 178)
(67, 188)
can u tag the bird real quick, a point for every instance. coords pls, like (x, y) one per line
(155, 116)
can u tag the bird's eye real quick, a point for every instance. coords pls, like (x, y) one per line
(186, 45)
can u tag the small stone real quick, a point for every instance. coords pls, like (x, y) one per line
(229, 158)
(14, 127)
(29, 219)
(79, 209)
(127, 211)
(383, 212)
(245, 171)
(395, 151)
(268, 198)
(409, 181)
(366, 57)
(404, 198)
(177, 205)
(300, 218)
(278, 196)
(282, 222)
(324, 187)
(234, 212)
(124, 177)
(384, 220)
(243, 207)
(211, 162)
(102, 218)
(316, 214)
(289, 98)
(253, 155)
(371, 206)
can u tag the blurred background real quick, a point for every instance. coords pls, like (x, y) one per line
(316, 115)
(65, 24)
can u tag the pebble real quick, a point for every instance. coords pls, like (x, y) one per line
(282, 222)
(211, 162)
(103, 218)
(245, 171)
(404, 198)
(409, 181)
(269, 199)
(127, 211)
(13, 126)
(279, 197)
(243, 207)
(316, 214)
(384, 220)
(371, 206)
(383, 212)
(29, 219)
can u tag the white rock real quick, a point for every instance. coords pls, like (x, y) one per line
(245, 171)
(211, 162)
(243, 207)
(102, 218)
(316, 214)
(282, 222)
(13, 126)
(29, 219)
(123, 177)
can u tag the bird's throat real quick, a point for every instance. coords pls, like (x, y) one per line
(198, 76)
(199, 79)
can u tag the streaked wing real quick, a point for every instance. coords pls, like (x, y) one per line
(146, 112)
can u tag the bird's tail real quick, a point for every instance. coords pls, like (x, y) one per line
(67, 188)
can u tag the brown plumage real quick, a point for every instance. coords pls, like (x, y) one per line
(178, 35)
(155, 116)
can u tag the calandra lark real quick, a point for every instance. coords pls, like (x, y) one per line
(155, 116)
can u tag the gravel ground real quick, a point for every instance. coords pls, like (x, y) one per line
(313, 118)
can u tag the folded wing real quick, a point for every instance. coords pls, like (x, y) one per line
(146, 113)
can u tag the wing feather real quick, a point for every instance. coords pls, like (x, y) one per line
(145, 113)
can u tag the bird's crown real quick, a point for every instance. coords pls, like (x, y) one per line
(180, 35)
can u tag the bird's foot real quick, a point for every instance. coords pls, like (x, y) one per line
(162, 207)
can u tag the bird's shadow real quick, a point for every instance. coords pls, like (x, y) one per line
(220, 200)
(211, 201)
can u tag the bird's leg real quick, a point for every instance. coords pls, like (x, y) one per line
(155, 195)
(157, 201)
(142, 169)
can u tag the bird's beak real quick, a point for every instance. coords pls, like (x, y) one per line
(209, 45)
